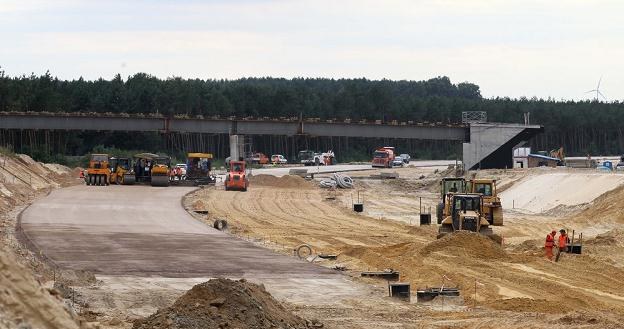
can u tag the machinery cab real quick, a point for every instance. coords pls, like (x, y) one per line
(452, 185)
(306, 157)
(492, 209)
(198, 165)
(198, 169)
(448, 187)
(143, 163)
(98, 171)
(122, 171)
(236, 178)
(152, 168)
(259, 158)
(383, 157)
(465, 214)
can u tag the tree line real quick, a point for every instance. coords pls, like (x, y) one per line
(579, 126)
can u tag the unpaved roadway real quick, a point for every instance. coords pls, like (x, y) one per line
(139, 239)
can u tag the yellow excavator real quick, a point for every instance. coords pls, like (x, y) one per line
(98, 171)
(122, 172)
(492, 208)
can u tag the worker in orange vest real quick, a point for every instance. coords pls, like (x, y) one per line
(550, 243)
(563, 241)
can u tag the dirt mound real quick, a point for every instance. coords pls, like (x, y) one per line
(26, 302)
(199, 205)
(287, 181)
(470, 243)
(223, 303)
(529, 247)
(611, 238)
(527, 305)
(591, 319)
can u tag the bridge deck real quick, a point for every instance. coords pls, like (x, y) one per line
(215, 125)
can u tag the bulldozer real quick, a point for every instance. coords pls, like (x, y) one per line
(448, 187)
(492, 207)
(98, 171)
(466, 214)
(236, 179)
(122, 172)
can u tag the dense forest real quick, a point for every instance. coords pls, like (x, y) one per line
(580, 127)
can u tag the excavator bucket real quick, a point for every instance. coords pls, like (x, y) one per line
(160, 181)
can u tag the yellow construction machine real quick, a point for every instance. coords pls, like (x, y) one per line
(98, 171)
(466, 213)
(152, 168)
(161, 171)
(122, 172)
(198, 166)
(448, 187)
(492, 208)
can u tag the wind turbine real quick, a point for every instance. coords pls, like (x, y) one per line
(597, 91)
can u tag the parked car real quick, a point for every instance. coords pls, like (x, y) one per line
(278, 159)
(406, 157)
(398, 161)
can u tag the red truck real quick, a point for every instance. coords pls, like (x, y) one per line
(383, 157)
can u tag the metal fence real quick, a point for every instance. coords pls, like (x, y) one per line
(474, 117)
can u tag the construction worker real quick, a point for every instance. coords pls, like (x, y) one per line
(550, 243)
(563, 241)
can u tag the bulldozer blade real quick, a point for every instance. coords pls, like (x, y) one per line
(495, 237)
(160, 181)
(129, 180)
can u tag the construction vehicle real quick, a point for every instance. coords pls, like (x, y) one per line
(306, 157)
(152, 168)
(620, 165)
(466, 215)
(236, 179)
(383, 157)
(98, 171)
(326, 158)
(559, 154)
(278, 159)
(122, 172)
(309, 158)
(448, 187)
(161, 171)
(492, 207)
(198, 168)
(259, 158)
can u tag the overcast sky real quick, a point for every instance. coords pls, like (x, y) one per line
(557, 48)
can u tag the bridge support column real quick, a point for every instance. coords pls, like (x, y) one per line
(491, 144)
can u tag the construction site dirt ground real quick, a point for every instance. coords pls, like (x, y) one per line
(516, 286)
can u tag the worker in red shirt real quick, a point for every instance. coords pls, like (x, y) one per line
(563, 241)
(550, 243)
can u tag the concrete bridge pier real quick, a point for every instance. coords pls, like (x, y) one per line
(491, 144)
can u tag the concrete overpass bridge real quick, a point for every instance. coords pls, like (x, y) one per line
(485, 145)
